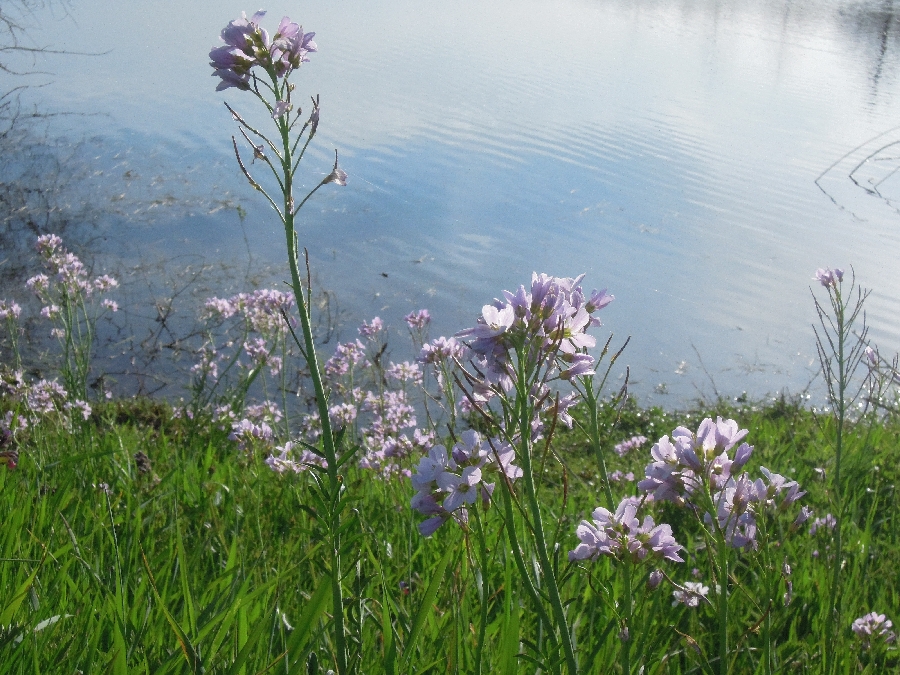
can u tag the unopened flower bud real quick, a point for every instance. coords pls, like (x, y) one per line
(654, 580)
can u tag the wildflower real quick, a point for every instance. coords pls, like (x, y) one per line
(829, 277)
(105, 283)
(248, 46)
(802, 517)
(82, 406)
(47, 244)
(654, 580)
(690, 594)
(777, 487)
(266, 411)
(404, 372)
(370, 330)
(337, 175)
(346, 356)
(873, 628)
(871, 356)
(446, 483)
(111, 305)
(827, 522)
(690, 460)
(418, 320)
(623, 448)
(622, 536)
(43, 396)
(342, 414)
(246, 432)
(280, 109)
(441, 349)
(9, 309)
(39, 284)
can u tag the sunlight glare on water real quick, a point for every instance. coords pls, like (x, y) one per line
(700, 159)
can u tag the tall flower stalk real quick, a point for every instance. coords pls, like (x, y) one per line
(518, 348)
(252, 60)
(841, 351)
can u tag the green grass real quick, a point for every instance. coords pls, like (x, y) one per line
(212, 563)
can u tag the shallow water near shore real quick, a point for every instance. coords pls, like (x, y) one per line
(699, 159)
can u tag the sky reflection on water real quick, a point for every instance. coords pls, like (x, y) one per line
(669, 150)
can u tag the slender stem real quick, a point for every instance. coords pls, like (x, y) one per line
(328, 447)
(513, 537)
(524, 424)
(590, 397)
(839, 410)
(482, 591)
(771, 582)
(723, 605)
(626, 636)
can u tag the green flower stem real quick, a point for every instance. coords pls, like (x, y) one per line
(629, 612)
(328, 447)
(482, 591)
(513, 537)
(525, 412)
(590, 399)
(839, 409)
(723, 605)
(771, 577)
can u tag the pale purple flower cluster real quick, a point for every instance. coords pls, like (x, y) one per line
(442, 349)
(622, 536)
(261, 310)
(9, 309)
(82, 407)
(371, 330)
(690, 594)
(44, 397)
(874, 628)
(626, 446)
(418, 320)
(829, 277)
(207, 365)
(383, 438)
(448, 483)
(690, 462)
(68, 273)
(284, 461)
(404, 372)
(68, 282)
(828, 522)
(246, 434)
(346, 356)
(617, 476)
(247, 46)
(549, 320)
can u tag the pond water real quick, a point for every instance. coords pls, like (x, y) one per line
(698, 158)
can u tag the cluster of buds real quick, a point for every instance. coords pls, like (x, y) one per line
(447, 483)
(829, 278)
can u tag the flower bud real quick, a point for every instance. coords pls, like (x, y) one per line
(654, 580)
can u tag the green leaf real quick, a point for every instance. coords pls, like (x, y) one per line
(427, 602)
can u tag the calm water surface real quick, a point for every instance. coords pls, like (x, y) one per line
(699, 158)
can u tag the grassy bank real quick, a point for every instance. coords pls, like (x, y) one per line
(138, 542)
